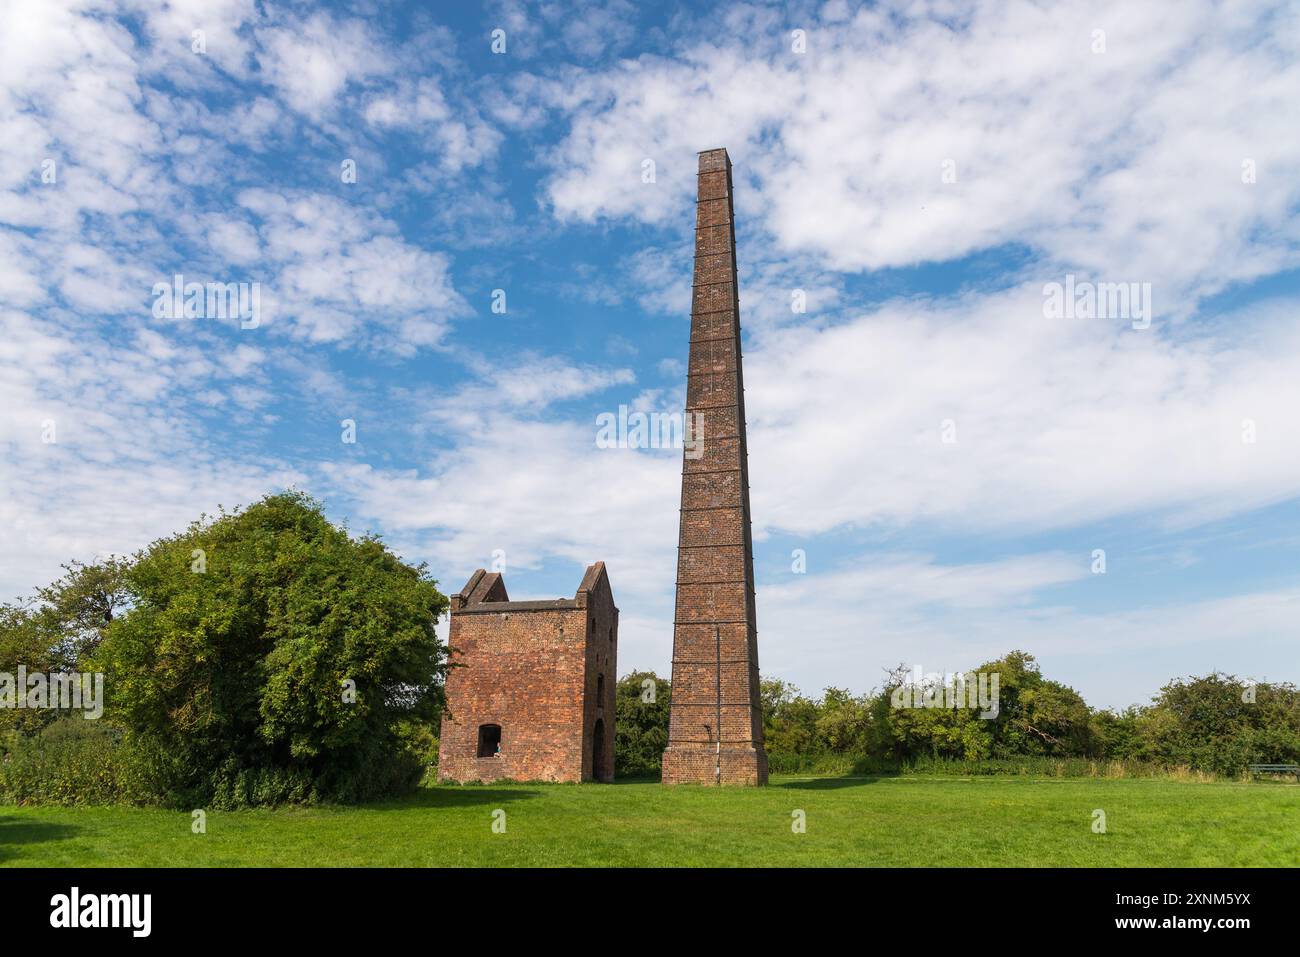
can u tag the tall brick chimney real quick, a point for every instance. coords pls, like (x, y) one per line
(715, 731)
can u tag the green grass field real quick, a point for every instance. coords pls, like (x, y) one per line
(893, 821)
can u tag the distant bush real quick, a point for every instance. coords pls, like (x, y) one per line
(420, 739)
(71, 761)
(829, 762)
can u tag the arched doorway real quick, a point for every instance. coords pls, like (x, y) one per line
(598, 770)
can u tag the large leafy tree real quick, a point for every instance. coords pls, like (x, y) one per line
(267, 655)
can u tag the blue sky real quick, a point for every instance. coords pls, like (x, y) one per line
(919, 171)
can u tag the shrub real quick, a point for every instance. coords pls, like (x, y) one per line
(641, 727)
(71, 761)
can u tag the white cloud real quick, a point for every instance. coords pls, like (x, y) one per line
(537, 490)
(663, 277)
(143, 177)
(583, 29)
(1057, 422)
(522, 480)
(235, 240)
(102, 447)
(339, 274)
(527, 388)
(1127, 163)
(225, 43)
(458, 134)
(312, 61)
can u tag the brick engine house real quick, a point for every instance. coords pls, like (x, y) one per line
(531, 696)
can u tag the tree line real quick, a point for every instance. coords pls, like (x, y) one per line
(1216, 724)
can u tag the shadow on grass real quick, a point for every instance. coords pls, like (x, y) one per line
(811, 780)
(828, 784)
(453, 795)
(16, 831)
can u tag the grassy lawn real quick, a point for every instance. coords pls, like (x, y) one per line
(908, 821)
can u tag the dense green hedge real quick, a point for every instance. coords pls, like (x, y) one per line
(71, 761)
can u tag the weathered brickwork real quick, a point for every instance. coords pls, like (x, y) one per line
(712, 390)
(712, 488)
(707, 564)
(715, 639)
(543, 672)
(707, 527)
(707, 326)
(712, 212)
(712, 300)
(717, 455)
